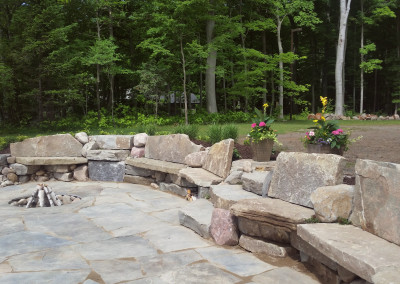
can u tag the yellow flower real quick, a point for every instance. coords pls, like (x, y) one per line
(324, 100)
(323, 118)
(316, 120)
(265, 106)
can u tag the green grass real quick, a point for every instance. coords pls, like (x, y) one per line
(10, 135)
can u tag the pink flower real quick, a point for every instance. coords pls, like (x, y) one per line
(335, 132)
(339, 130)
(311, 133)
(262, 123)
(253, 125)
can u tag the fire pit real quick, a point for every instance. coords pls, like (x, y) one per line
(43, 196)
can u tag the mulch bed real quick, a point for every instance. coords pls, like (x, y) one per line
(6, 150)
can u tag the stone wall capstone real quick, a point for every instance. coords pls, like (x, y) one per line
(170, 148)
(60, 145)
(377, 199)
(297, 175)
(219, 158)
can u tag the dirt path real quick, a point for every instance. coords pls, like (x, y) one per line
(379, 143)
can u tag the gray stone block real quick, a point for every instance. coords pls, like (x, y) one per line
(106, 171)
(176, 189)
(197, 217)
(257, 182)
(113, 142)
(22, 170)
(135, 171)
(107, 155)
(3, 159)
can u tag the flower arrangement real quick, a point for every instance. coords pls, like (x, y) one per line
(261, 127)
(327, 133)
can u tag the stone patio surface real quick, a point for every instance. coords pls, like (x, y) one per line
(117, 233)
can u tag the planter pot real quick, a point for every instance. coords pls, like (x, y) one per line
(262, 150)
(323, 149)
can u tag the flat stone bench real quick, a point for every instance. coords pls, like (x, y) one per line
(48, 161)
(155, 165)
(366, 255)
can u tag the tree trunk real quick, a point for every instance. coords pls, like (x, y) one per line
(224, 87)
(340, 56)
(264, 42)
(39, 96)
(362, 60)
(98, 69)
(211, 67)
(184, 82)
(112, 76)
(279, 26)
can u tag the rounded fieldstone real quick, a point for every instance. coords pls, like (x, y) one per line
(12, 177)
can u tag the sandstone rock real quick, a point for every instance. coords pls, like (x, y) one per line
(346, 275)
(81, 173)
(91, 145)
(3, 159)
(219, 158)
(297, 175)
(51, 160)
(42, 179)
(284, 215)
(57, 168)
(331, 202)
(197, 217)
(6, 170)
(40, 173)
(196, 160)
(12, 177)
(154, 185)
(139, 180)
(176, 189)
(283, 275)
(200, 177)
(113, 142)
(155, 165)
(135, 171)
(106, 171)
(235, 177)
(64, 176)
(224, 196)
(82, 137)
(11, 160)
(140, 139)
(257, 182)
(377, 199)
(259, 246)
(324, 273)
(66, 199)
(60, 145)
(137, 152)
(107, 155)
(170, 148)
(358, 251)
(247, 168)
(223, 228)
(262, 230)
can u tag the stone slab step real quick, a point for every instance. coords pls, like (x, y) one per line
(224, 196)
(283, 275)
(44, 161)
(276, 212)
(256, 245)
(200, 177)
(370, 257)
(155, 165)
(107, 155)
(197, 216)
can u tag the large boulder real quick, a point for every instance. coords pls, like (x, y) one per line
(219, 158)
(196, 160)
(377, 199)
(257, 182)
(137, 152)
(113, 142)
(3, 159)
(81, 173)
(297, 175)
(332, 202)
(140, 139)
(60, 145)
(107, 155)
(22, 170)
(170, 148)
(82, 137)
(92, 145)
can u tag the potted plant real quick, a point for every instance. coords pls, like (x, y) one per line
(326, 137)
(262, 136)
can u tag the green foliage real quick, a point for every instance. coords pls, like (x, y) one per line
(343, 221)
(191, 130)
(236, 155)
(215, 133)
(312, 220)
(230, 131)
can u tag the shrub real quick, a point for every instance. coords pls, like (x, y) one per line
(150, 129)
(191, 130)
(215, 133)
(230, 131)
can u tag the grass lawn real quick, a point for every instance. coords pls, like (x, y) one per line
(9, 136)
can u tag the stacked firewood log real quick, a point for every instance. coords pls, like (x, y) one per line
(43, 196)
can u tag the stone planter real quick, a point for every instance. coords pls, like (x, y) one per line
(262, 150)
(323, 149)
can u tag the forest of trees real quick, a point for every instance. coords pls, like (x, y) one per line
(69, 57)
